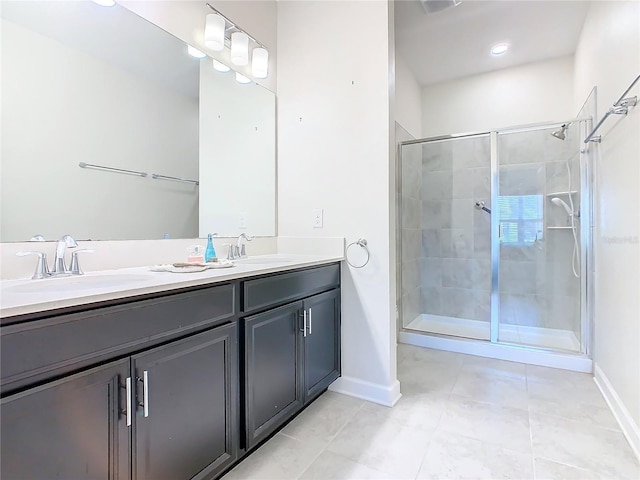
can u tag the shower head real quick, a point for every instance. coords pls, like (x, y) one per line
(561, 203)
(560, 133)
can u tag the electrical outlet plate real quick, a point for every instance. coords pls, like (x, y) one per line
(317, 218)
(242, 220)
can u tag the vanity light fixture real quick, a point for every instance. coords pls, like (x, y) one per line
(260, 62)
(242, 79)
(239, 48)
(194, 52)
(214, 29)
(238, 40)
(499, 49)
(219, 66)
(105, 3)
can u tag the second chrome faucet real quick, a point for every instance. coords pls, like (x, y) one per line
(238, 250)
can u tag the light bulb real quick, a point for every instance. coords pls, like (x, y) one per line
(260, 62)
(214, 32)
(219, 66)
(239, 48)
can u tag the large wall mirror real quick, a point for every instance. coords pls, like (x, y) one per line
(103, 87)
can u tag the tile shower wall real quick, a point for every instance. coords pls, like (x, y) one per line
(454, 263)
(537, 286)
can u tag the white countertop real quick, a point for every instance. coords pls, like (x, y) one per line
(19, 297)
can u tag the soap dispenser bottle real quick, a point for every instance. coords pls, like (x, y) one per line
(210, 252)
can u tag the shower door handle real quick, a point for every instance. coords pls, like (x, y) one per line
(499, 230)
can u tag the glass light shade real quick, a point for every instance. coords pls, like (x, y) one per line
(242, 79)
(260, 62)
(239, 48)
(219, 66)
(194, 52)
(214, 32)
(105, 3)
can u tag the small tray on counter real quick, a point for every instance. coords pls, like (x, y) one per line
(190, 267)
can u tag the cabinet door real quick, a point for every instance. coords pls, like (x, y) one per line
(186, 419)
(321, 342)
(273, 390)
(74, 428)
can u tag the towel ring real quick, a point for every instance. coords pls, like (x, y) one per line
(361, 242)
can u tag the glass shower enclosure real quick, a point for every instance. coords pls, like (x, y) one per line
(491, 229)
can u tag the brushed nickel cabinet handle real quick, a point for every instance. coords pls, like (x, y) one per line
(145, 392)
(128, 387)
(310, 331)
(304, 329)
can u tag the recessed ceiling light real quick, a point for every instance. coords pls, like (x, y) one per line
(499, 48)
(194, 52)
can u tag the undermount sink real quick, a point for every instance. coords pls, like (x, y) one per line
(77, 282)
(262, 260)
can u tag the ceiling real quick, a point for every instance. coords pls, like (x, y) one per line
(455, 43)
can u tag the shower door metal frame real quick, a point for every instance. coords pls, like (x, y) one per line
(586, 216)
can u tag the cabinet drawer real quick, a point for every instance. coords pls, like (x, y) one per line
(286, 287)
(42, 349)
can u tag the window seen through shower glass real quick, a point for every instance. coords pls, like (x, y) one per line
(520, 219)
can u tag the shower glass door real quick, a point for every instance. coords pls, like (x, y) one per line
(537, 217)
(445, 200)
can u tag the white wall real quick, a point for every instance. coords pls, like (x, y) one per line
(237, 141)
(185, 19)
(532, 93)
(608, 57)
(408, 100)
(60, 107)
(334, 148)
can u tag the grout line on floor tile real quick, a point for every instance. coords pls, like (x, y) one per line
(324, 448)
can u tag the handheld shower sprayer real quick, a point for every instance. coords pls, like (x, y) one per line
(561, 203)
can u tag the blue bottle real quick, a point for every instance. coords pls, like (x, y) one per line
(210, 252)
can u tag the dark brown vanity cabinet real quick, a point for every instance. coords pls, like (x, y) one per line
(181, 423)
(73, 428)
(167, 410)
(174, 386)
(186, 407)
(292, 352)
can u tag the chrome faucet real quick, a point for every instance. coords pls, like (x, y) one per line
(59, 267)
(240, 247)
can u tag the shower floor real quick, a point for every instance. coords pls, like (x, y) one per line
(522, 335)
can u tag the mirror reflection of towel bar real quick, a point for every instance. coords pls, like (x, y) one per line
(175, 179)
(112, 169)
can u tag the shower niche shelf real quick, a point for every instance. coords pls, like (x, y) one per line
(559, 228)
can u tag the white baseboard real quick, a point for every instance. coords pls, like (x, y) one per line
(627, 424)
(373, 392)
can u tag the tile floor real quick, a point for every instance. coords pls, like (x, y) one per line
(460, 416)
